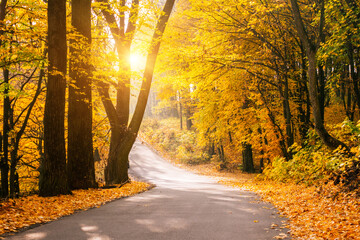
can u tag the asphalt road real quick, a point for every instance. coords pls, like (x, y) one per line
(182, 206)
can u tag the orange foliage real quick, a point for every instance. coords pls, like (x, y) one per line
(25, 211)
(312, 214)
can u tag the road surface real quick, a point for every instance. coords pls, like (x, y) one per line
(182, 206)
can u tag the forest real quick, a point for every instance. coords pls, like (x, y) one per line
(263, 86)
(270, 88)
(60, 76)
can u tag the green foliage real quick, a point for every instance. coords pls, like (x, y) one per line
(314, 163)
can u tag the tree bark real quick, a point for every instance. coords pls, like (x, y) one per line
(188, 117)
(4, 165)
(80, 166)
(5, 138)
(180, 111)
(287, 113)
(53, 177)
(321, 89)
(248, 162)
(311, 50)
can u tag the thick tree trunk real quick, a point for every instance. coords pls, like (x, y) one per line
(117, 169)
(248, 162)
(53, 177)
(4, 165)
(327, 139)
(119, 115)
(311, 49)
(5, 138)
(80, 167)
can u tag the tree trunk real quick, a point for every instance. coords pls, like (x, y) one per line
(354, 78)
(14, 177)
(123, 137)
(188, 117)
(136, 120)
(4, 165)
(302, 97)
(80, 166)
(277, 129)
(248, 162)
(119, 115)
(117, 169)
(211, 149)
(5, 138)
(327, 139)
(322, 93)
(221, 153)
(287, 115)
(180, 111)
(53, 177)
(311, 50)
(15, 140)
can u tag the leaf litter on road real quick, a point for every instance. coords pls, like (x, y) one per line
(26, 211)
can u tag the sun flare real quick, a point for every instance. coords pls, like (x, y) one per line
(136, 61)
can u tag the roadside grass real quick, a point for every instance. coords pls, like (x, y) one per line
(17, 214)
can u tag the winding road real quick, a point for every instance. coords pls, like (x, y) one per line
(182, 206)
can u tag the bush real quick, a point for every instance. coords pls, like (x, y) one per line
(182, 145)
(314, 163)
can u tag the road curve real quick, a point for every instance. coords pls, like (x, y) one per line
(182, 206)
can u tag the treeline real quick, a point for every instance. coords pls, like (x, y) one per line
(63, 67)
(266, 78)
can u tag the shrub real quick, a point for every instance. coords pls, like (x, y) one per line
(314, 163)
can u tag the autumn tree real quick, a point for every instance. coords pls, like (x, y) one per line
(53, 178)
(123, 134)
(123, 37)
(311, 44)
(80, 165)
(233, 42)
(23, 60)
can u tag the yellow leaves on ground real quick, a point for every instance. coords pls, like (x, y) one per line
(312, 214)
(25, 211)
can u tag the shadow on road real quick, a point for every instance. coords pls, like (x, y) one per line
(182, 206)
